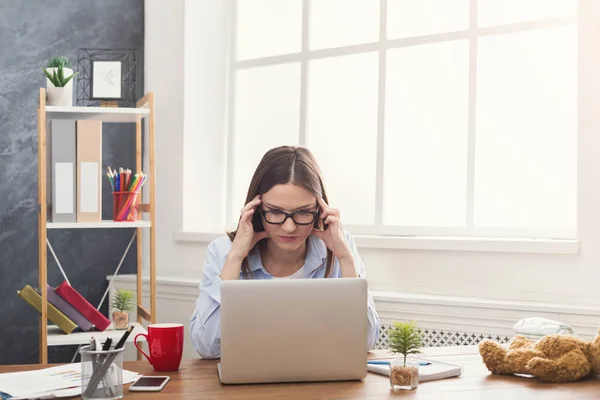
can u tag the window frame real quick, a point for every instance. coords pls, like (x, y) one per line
(472, 34)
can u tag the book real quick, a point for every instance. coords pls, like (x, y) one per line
(73, 297)
(435, 370)
(63, 306)
(55, 316)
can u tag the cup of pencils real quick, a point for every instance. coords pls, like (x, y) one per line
(126, 188)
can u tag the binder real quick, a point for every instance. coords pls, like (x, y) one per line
(73, 297)
(89, 171)
(61, 194)
(55, 316)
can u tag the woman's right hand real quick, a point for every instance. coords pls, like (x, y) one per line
(246, 238)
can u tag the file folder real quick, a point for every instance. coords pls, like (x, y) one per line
(89, 171)
(61, 194)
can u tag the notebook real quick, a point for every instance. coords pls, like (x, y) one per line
(55, 316)
(63, 306)
(435, 370)
(73, 297)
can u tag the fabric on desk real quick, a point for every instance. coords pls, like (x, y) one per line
(205, 321)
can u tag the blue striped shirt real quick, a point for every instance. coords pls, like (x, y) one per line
(205, 321)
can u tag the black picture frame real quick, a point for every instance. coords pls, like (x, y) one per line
(130, 70)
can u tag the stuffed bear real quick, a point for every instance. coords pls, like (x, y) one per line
(554, 358)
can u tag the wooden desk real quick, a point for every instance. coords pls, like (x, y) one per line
(199, 379)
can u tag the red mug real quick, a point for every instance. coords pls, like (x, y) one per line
(165, 342)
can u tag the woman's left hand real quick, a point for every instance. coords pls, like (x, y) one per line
(333, 236)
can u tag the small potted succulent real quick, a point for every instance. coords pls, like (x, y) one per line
(405, 339)
(59, 83)
(121, 304)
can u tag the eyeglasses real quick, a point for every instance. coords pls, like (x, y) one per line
(277, 217)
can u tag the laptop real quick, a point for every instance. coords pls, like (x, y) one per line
(293, 330)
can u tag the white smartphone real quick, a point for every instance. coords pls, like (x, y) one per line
(149, 384)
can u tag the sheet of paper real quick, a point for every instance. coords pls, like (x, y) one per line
(53, 382)
(24, 383)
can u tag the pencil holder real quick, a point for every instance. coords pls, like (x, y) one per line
(101, 373)
(125, 206)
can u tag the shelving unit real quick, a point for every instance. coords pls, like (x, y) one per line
(51, 335)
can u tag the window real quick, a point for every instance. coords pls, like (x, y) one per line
(428, 118)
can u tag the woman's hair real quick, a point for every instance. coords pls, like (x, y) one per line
(283, 165)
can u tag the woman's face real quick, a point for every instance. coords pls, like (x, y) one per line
(288, 198)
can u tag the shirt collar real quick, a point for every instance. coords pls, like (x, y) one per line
(315, 256)
(317, 252)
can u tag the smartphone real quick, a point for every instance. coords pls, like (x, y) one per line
(257, 223)
(149, 384)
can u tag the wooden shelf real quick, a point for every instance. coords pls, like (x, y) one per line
(97, 225)
(104, 114)
(56, 337)
(144, 109)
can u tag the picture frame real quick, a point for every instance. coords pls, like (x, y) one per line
(106, 80)
(101, 81)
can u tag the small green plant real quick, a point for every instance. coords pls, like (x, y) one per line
(57, 77)
(405, 338)
(59, 61)
(123, 300)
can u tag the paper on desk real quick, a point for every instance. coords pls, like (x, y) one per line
(53, 382)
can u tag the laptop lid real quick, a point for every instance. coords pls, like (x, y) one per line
(293, 330)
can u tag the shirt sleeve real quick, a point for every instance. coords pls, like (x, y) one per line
(372, 315)
(205, 325)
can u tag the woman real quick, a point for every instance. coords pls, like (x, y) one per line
(279, 235)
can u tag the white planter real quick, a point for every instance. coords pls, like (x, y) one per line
(66, 72)
(59, 96)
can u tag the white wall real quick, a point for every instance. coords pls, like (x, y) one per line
(179, 43)
(164, 75)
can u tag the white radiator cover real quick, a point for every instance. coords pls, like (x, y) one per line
(445, 321)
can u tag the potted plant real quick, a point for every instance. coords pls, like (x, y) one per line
(59, 83)
(121, 304)
(406, 339)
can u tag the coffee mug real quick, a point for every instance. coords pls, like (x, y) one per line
(165, 342)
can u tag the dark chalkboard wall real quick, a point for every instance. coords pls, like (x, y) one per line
(32, 31)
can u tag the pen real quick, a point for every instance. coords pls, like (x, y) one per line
(97, 363)
(124, 337)
(106, 377)
(97, 376)
(382, 362)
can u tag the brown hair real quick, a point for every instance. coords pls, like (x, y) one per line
(282, 165)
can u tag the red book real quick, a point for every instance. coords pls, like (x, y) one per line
(67, 292)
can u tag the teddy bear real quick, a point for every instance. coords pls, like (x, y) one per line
(553, 358)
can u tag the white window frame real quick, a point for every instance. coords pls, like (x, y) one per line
(382, 46)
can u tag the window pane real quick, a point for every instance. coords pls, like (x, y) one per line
(406, 18)
(335, 23)
(267, 104)
(496, 12)
(425, 157)
(525, 169)
(268, 28)
(342, 131)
